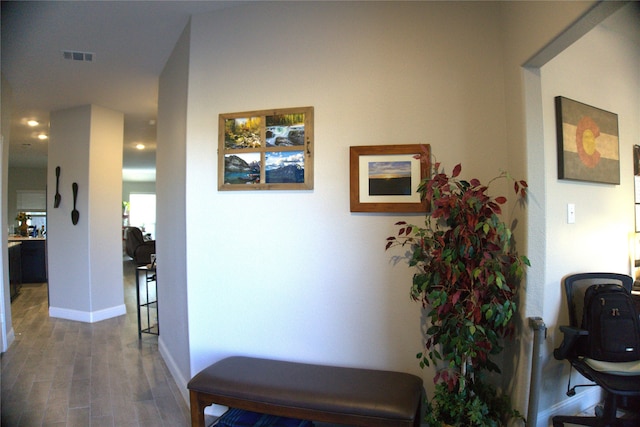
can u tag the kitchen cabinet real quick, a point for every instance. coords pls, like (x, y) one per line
(33, 259)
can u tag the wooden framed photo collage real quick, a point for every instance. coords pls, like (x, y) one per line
(266, 150)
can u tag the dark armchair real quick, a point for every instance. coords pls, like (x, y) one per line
(137, 247)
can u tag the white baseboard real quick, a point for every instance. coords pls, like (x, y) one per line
(180, 380)
(11, 336)
(577, 404)
(88, 316)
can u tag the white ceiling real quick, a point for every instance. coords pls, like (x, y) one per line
(131, 41)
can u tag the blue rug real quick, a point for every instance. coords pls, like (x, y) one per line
(238, 418)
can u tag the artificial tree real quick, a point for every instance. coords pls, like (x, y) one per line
(468, 273)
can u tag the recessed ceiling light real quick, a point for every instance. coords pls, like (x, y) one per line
(140, 146)
(33, 123)
(42, 136)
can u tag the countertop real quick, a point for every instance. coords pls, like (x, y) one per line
(22, 239)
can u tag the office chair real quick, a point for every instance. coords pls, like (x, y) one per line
(620, 380)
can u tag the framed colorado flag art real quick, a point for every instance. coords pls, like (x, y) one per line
(588, 148)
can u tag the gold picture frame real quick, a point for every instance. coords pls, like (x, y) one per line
(266, 150)
(385, 178)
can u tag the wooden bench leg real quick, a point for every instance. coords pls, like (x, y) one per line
(197, 411)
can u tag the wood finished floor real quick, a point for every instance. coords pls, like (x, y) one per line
(63, 373)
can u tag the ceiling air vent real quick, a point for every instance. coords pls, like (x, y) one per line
(78, 56)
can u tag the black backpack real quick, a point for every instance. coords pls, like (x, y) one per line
(612, 320)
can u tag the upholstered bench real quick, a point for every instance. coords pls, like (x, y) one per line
(351, 396)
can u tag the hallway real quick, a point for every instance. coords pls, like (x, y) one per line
(64, 373)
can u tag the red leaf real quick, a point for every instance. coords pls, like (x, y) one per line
(389, 244)
(400, 223)
(475, 182)
(400, 232)
(456, 170)
(493, 206)
(501, 199)
(524, 184)
(455, 297)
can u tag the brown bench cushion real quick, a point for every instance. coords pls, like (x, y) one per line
(314, 388)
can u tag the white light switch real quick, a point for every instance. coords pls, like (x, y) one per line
(571, 213)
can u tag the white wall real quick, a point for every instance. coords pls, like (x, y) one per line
(295, 275)
(171, 225)
(85, 262)
(105, 213)
(69, 149)
(7, 334)
(601, 69)
(530, 29)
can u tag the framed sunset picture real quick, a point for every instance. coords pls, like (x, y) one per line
(385, 178)
(588, 148)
